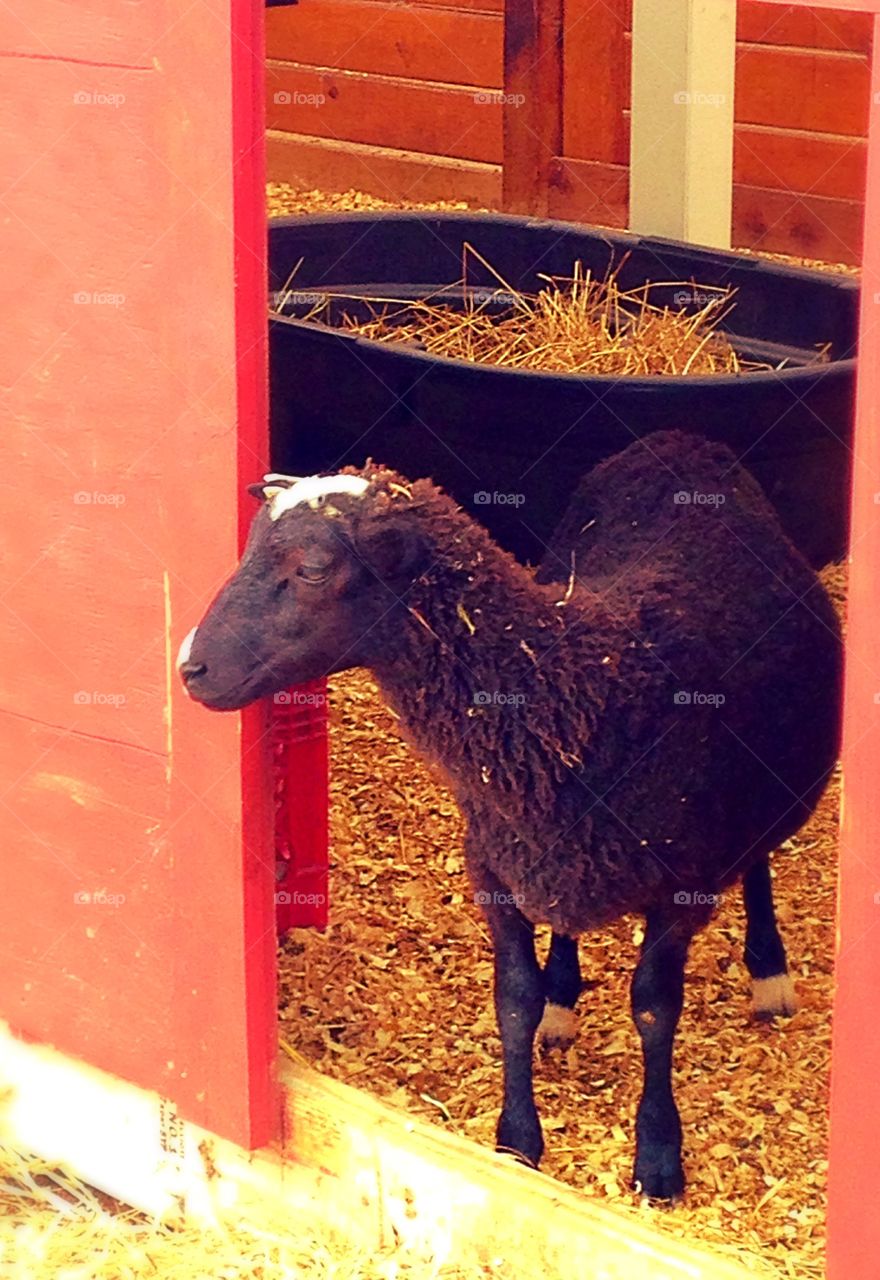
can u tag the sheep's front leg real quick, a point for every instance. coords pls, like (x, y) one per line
(519, 1003)
(657, 997)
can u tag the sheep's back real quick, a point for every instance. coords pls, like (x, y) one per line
(723, 721)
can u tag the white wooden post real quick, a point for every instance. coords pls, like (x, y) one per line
(681, 175)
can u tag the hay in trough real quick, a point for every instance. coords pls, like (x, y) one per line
(396, 998)
(581, 324)
(578, 324)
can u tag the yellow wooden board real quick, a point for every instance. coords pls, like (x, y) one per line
(345, 1159)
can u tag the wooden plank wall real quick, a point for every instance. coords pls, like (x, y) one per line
(401, 100)
(408, 100)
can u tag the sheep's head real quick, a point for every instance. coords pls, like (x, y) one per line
(318, 590)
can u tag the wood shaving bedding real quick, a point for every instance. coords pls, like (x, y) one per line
(396, 998)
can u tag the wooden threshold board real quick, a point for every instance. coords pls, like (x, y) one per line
(346, 1160)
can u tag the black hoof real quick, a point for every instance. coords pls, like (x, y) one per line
(517, 1156)
(524, 1141)
(658, 1172)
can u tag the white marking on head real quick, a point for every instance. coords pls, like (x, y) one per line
(275, 477)
(186, 648)
(313, 491)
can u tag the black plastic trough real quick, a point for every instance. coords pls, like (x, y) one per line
(510, 446)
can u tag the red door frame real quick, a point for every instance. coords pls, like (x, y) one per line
(252, 394)
(232, 814)
(853, 1220)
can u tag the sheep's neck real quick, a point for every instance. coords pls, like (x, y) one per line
(477, 673)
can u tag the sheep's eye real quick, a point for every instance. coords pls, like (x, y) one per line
(313, 572)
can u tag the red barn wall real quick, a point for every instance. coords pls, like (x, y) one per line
(135, 917)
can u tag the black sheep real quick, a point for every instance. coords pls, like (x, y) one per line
(632, 733)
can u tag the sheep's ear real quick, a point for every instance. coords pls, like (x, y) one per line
(272, 483)
(266, 491)
(392, 551)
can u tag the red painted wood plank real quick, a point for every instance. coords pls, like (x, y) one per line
(326, 165)
(135, 192)
(220, 801)
(798, 90)
(408, 115)
(423, 43)
(470, 6)
(100, 666)
(89, 33)
(807, 226)
(812, 28)
(842, 6)
(778, 221)
(587, 191)
(853, 1226)
(817, 164)
(533, 102)
(88, 901)
(596, 37)
(301, 798)
(85, 579)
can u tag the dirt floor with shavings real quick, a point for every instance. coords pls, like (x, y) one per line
(284, 201)
(396, 999)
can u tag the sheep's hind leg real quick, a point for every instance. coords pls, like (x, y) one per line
(657, 997)
(519, 1003)
(772, 987)
(562, 986)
